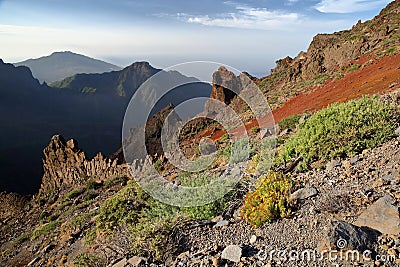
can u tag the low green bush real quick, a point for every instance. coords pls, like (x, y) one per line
(354, 67)
(255, 129)
(341, 130)
(73, 194)
(114, 181)
(269, 201)
(44, 229)
(148, 220)
(88, 260)
(290, 122)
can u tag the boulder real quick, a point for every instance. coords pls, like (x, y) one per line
(232, 253)
(397, 131)
(383, 216)
(121, 263)
(346, 236)
(333, 164)
(137, 261)
(304, 193)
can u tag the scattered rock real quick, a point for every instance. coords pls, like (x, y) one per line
(48, 248)
(120, 263)
(222, 223)
(333, 164)
(215, 262)
(397, 131)
(136, 261)
(253, 239)
(380, 182)
(389, 178)
(284, 132)
(217, 219)
(355, 159)
(232, 253)
(382, 216)
(32, 262)
(304, 193)
(343, 236)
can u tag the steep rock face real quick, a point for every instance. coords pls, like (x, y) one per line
(328, 52)
(226, 87)
(235, 91)
(65, 165)
(224, 82)
(121, 83)
(150, 132)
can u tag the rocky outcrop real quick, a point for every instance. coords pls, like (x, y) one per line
(11, 203)
(229, 89)
(329, 52)
(133, 145)
(383, 216)
(224, 83)
(65, 165)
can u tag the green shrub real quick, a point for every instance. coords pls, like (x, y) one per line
(92, 185)
(269, 201)
(52, 218)
(77, 222)
(114, 181)
(243, 150)
(89, 195)
(73, 194)
(64, 204)
(148, 220)
(88, 260)
(44, 229)
(390, 50)
(341, 130)
(266, 155)
(290, 122)
(43, 216)
(224, 137)
(354, 67)
(206, 212)
(255, 129)
(158, 165)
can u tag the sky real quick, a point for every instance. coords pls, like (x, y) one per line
(249, 35)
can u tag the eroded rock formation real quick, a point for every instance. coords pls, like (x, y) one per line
(65, 165)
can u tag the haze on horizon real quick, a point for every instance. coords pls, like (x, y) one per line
(248, 35)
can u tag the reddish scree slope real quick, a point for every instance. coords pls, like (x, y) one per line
(381, 76)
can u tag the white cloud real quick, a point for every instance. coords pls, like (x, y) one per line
(349, 6)
(248, 18)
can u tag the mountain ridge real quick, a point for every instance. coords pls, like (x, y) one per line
(60, 65)
(329, 56)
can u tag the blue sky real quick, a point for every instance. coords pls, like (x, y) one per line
(248, 35)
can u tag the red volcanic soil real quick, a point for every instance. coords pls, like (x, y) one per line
(381, 76)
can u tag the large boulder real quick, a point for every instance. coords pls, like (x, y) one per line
(383, 216)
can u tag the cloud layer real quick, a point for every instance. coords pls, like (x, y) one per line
(248, 18)
(349, 6)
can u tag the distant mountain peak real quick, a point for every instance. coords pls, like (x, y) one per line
(62, 64)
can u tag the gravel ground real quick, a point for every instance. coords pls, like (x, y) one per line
(345, 189)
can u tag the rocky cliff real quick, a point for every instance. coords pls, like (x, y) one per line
(329, 52)
(330, 55)
(65, 165)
